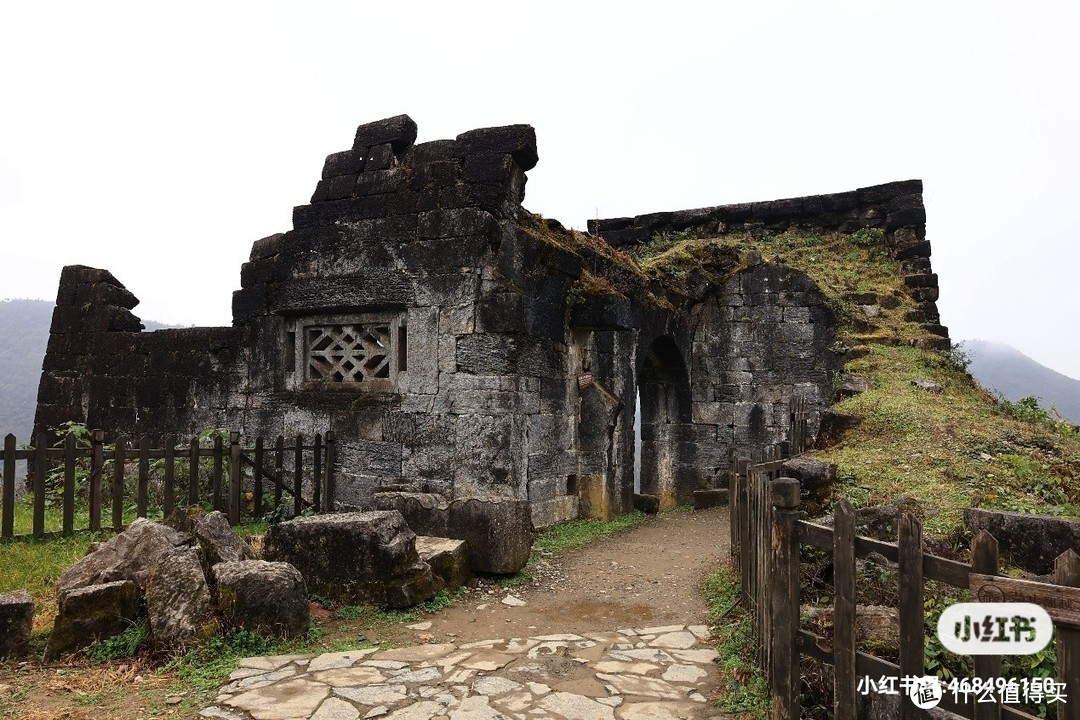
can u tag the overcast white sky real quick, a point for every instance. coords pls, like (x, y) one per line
(160, 140)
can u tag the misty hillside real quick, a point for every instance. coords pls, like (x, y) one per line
(1003, 368)
(24, 335)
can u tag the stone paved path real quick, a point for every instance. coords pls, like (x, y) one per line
(645, 673)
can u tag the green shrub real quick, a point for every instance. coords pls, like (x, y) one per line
(124, 645)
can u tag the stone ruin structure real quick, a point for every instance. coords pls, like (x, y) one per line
(460, 345)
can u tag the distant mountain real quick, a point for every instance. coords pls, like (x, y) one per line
(24, 335)
(1005, 369)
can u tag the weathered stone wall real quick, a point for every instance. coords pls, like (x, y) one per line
(100, 369)
(459, 345)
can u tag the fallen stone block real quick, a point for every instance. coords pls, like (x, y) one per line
(833, 425)
(16, 621)
(178, 600)
(715, 497)
(816, 479)
(217, 540)
(648, 504)
(131, 555)
(355, 557)
(263, 597)
(1031, 541)
(93, 612)
(499, 533)
(448, 558)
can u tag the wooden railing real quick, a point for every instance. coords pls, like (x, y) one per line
(766, 540)
(54, 472)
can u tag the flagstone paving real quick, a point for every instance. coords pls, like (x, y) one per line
(646, 673)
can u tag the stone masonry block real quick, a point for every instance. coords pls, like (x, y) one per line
(399, 131)
(519, 141)
(16, 622)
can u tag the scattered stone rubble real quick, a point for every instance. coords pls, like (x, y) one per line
(194, 576)
(172, 578)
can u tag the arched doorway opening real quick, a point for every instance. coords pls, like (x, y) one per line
(665, 413)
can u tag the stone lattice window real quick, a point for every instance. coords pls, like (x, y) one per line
(368, 350)
(348, 353)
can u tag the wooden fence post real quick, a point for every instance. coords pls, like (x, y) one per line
(279, 470)
(236, 481)
(97, 471)
(912, 633)
(142, 497)
(193, 472)
(41, 462)
(168, 499)
(984, 559)
(69, 485)
(316, 475)
(219, 453)
(734, 504)
(298, 476)
(258, 496)
(844, 680)
(331, 466)
(744, 524)
(784, 601)
(1067, 572)
(119, 459)
(7, 525)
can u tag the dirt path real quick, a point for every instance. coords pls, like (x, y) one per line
(652, 574)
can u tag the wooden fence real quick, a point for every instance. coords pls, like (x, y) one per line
(766, 540)
(279, 468)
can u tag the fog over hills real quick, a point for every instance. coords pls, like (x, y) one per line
(1002, 368)
(24, 335)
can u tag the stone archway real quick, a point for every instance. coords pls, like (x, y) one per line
(665, 399)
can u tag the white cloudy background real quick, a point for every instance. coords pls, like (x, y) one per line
(159, 140)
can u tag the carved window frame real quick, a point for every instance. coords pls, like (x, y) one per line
(341, 352)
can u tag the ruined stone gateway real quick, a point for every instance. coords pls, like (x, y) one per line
(458, 344)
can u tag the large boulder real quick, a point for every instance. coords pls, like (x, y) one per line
(499, 532)
(132, 555)
(217, 540)
(178, 600)
(1031, 541)
(16, 621)
(263, 597)
(93, 612)
(355, 557)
